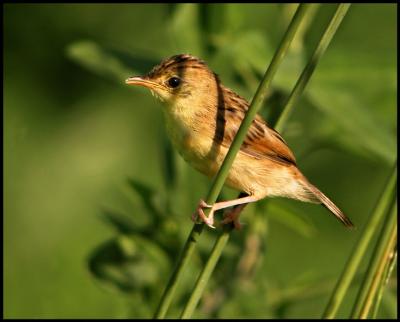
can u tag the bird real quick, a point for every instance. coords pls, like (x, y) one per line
(202, 117)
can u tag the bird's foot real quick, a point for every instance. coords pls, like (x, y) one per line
(199, 213)
(232, 216)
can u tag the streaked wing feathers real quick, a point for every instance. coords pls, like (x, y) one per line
(260, 142)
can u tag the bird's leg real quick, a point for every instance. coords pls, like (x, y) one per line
(234, 202)
(233, 216)
(217, 206)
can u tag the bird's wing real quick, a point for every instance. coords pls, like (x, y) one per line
(260, 142)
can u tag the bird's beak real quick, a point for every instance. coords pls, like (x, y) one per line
(141, 81)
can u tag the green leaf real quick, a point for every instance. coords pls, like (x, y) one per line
(128, 263)
(123, 223)
(149, 197)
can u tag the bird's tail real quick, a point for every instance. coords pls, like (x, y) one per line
(315, 195)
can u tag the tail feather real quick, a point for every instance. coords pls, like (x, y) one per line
(328, 204)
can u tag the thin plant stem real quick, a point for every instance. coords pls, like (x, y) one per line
(224, 236)
(391, 263)
(235, 146)
(376, 267)
(360, 248)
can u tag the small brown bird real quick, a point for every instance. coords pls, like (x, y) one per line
(202, 118)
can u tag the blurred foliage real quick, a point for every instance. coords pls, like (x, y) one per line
(74, 133)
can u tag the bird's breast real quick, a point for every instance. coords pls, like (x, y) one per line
(192, 143)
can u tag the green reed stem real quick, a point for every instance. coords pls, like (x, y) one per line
(377, 264)
(360, 248)
(391, 263)
(206, 272)
(187, 252)
(312, 63)
(304, 78)
(223, 173)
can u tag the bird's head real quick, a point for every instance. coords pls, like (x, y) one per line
(179, 80)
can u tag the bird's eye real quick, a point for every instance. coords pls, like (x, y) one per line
(174, 82)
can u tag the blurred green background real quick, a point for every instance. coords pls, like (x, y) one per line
(97, 206)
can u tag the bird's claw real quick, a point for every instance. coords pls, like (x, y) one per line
(209, 221)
